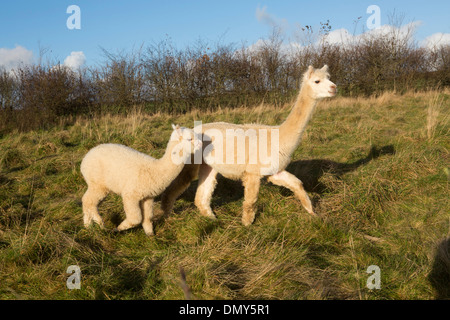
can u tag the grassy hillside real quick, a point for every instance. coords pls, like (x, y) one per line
(377, 170)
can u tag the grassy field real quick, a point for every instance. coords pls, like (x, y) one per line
(377, 170)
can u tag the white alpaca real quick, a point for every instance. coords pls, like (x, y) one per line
(316, 85)
(137, 177)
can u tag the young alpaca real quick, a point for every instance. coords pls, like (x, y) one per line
(137, 177)
(315, 85)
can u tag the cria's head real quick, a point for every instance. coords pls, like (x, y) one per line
(318, 81)
(187, 139)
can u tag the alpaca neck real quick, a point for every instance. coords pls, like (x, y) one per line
(167, 164)
(292, 128)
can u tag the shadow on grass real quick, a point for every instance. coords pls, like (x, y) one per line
(310, 171)
(131, 281)
(439, 276)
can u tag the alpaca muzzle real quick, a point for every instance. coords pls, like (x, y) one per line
(333, 90)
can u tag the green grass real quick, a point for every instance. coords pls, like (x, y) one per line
(376, 169)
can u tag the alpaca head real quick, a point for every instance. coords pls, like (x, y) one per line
(318, 83)
(186, 141)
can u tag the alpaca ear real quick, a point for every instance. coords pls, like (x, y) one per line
(325, 68)
(309, 72)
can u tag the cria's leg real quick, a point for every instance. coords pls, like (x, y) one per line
(178, 186)
(132, 212)
(206, 184)
(147, 208)
(251, 189)
(90, 200)
(291, 182)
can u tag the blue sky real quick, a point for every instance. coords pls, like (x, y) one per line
(124, 25)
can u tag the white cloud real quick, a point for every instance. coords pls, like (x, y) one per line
(75, 60)
(264, 17)
(405, 31)
(12, 58)
(340, 36)
(436, 40)
(344, 37)
(403, 35)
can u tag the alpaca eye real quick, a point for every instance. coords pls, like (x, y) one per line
(317, 81)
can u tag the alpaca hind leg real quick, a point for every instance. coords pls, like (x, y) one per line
(178, 186)
(147, 209)
(251, 189)
(206, 185)
(291, 182)
(90, 200)
(132, 212)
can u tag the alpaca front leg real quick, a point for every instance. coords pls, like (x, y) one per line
(147, 224)
(291, 182)
(251, 189)
(206, 185)
(90, 201)
(132, 212)
(178, 186)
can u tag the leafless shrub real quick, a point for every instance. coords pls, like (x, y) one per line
(35, 96)
(163, 78)
(119, 82)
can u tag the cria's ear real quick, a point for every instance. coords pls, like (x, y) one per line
(177, 129)
(325, 68)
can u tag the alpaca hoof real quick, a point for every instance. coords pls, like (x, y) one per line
(247, 221)
(312, 213)
(148, 229)
(208, 214)
(150, 233)
(92, 225)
